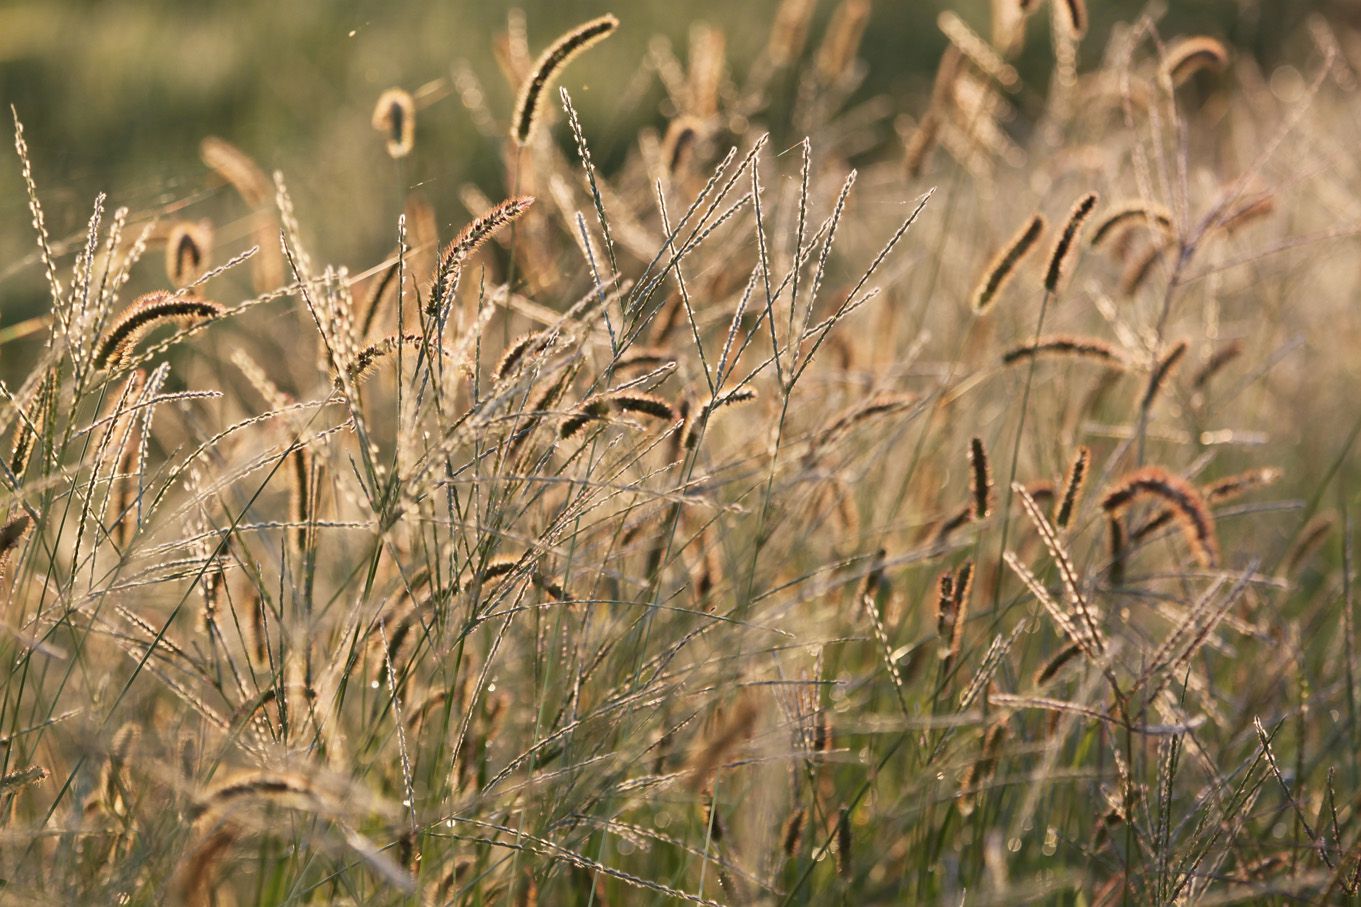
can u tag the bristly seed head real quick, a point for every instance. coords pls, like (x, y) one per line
(550, 63)
(1065, 247)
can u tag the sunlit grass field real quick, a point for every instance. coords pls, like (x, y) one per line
(686, 457)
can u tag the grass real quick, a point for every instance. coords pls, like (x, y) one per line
(678, 528)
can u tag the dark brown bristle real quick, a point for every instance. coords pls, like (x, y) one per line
(1072, 487)
(980, 479)
(146, 312)
(945, 605)
(844, 867)
(1163, 368)
(646, 404)
(591, 410)
(793, 832)
(1065, 247)
(949, 525)
(1051, 667)
(1186, 502)
(367, 360)
(1230, 487)
(1042, 490)
(501, 565)
(1138, 269)
(1154, 216)
(186, 252)
(550, 63)
(516, 353)
(1066, 345)
(1226, 353)
(1007, 260)
(302, 495)
(1116, 549)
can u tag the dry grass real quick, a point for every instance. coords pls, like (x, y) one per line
(598, 552)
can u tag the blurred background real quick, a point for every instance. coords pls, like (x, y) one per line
(115, 95)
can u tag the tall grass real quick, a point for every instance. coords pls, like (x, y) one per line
(738, 524)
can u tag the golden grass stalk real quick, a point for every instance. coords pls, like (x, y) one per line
(1239, 484)
(961, 591)
(548, 66)
(1190, 56)
(1186, 502)
(1067, 345)
(842, 41)
(789, 31)
(395, 117)
(978, 52)
(1072, 584)
(468, 241)
(1006, 261)
(1065, 247)
(707, 67)
(917, 151)
(146, 313)
(238, 170)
